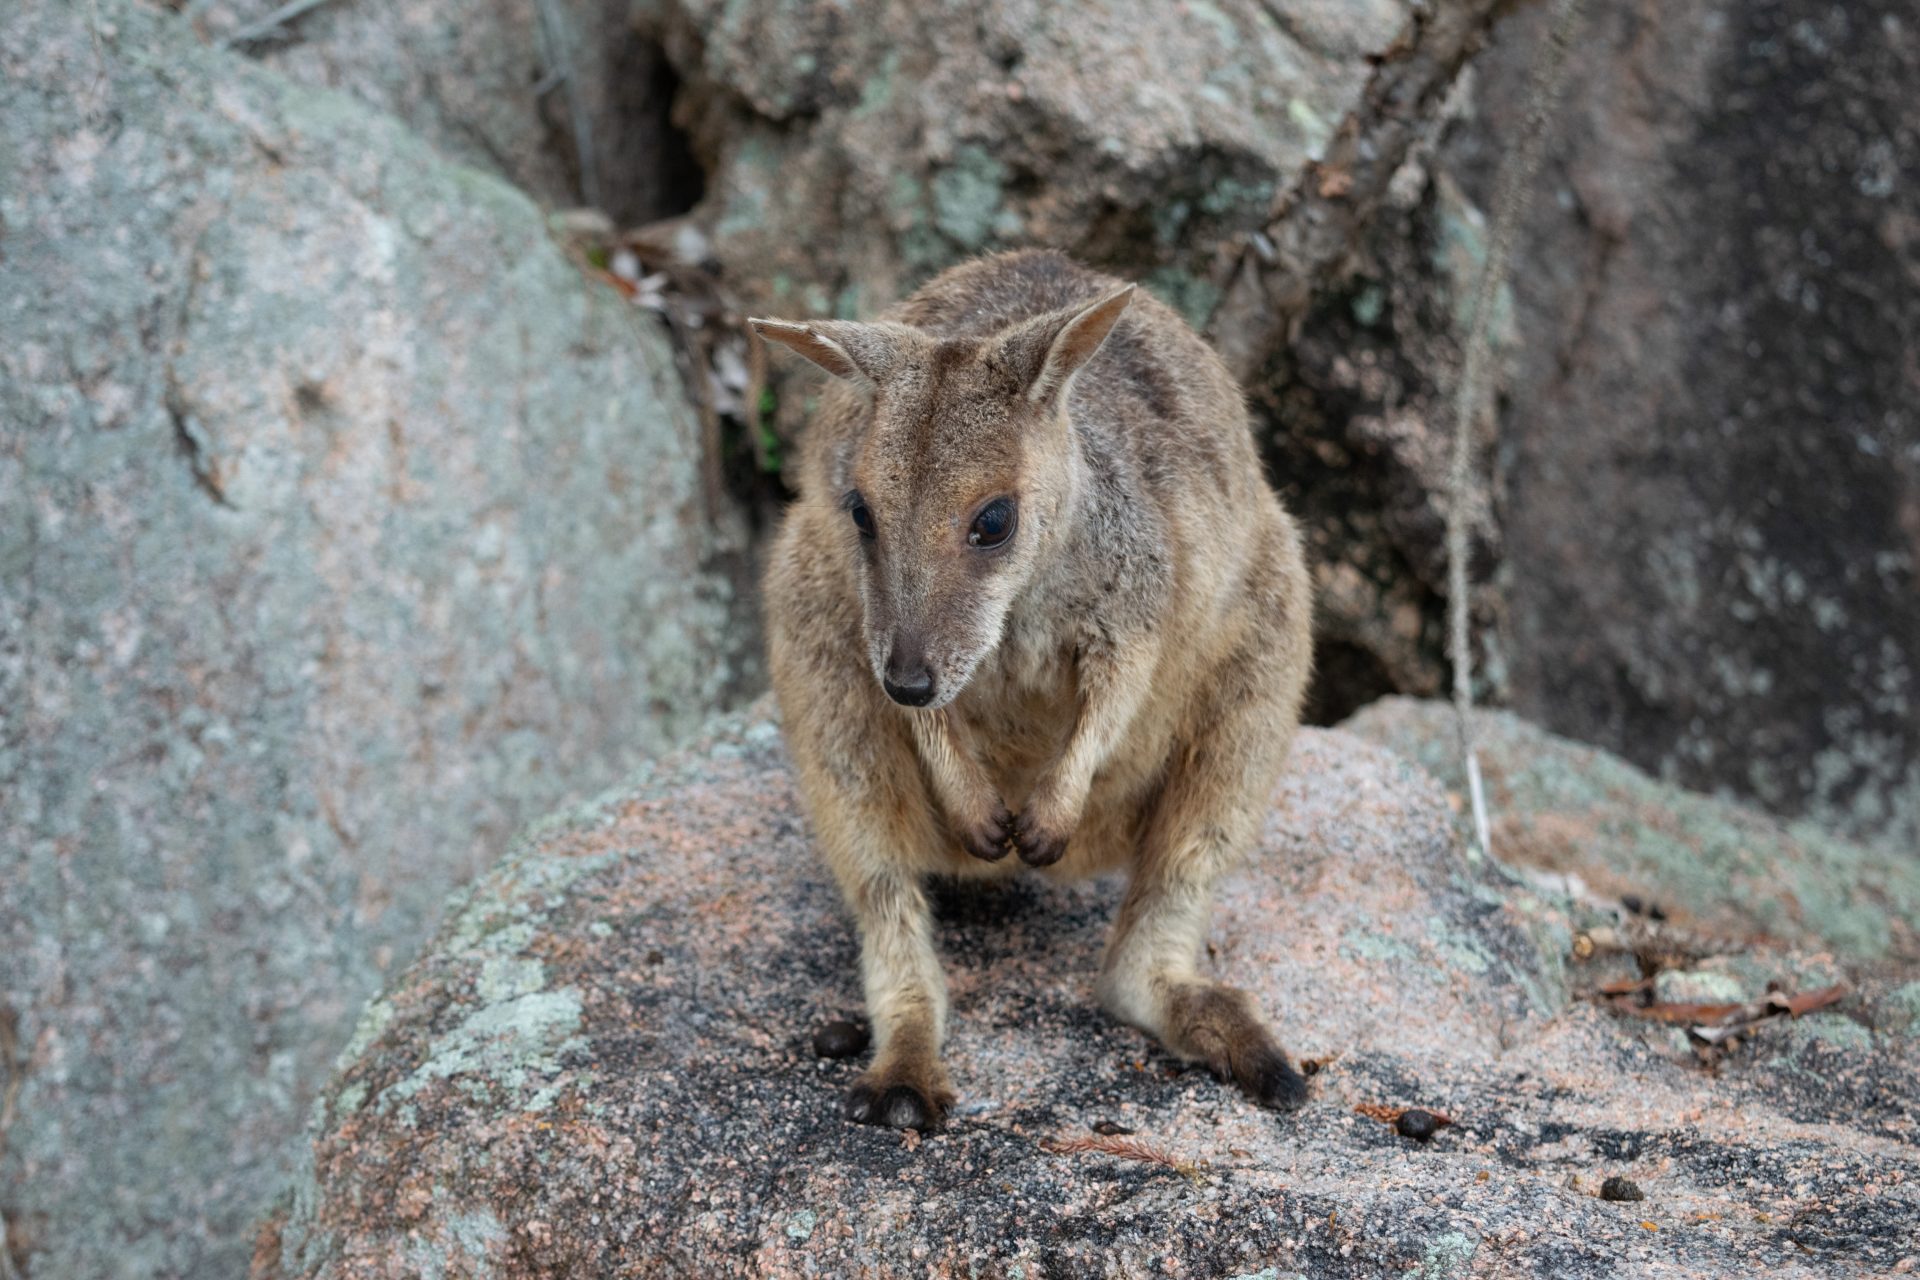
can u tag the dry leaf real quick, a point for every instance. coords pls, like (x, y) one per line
(1335, 183)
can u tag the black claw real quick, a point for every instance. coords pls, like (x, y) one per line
(904, 1108)
(1272, 1082)
(989, 844)
(899, 1106)
(860, 1100)
(1037, 848)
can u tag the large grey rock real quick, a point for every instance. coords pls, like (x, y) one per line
(527, 89)
(851, 152)
(343, 526)
(602, 1067)
(1712, 446)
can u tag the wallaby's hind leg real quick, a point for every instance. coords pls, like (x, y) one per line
(1206, 819)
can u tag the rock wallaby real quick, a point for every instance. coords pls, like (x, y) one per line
(1035, 605)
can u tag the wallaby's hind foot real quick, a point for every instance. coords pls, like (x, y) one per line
(1217, 1025)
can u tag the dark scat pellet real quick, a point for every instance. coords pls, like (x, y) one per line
(1108, 1129)
(1621, 1189)
(1416, 1124)
(840, 1039)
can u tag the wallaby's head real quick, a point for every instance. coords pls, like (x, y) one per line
(960, 482)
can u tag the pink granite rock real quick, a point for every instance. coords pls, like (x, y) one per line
(603, 1066)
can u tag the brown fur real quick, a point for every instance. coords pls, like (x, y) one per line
(1124, 674)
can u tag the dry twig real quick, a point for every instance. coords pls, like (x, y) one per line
(270, 25)
(1124, 1148)
(1512, 195)
(1269, 280)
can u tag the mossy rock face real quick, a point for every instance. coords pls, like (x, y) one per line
(344, 527)
(604, 1065)
(863, 148)
(1563, 807)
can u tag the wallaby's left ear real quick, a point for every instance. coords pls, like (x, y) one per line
(844, 348)
(1046, 352)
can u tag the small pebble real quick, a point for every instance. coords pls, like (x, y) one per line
(1108, 1129)
(1621, 1189)
(840, 1039)
(1417, 1124)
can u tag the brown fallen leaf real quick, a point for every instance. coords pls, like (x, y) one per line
(1808, 1001)
(1683, 1013)
(1703, 1018)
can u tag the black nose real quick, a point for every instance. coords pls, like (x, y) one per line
(912, 688)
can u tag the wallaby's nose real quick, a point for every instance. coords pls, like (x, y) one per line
(907, 682)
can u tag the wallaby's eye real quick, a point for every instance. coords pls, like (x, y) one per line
(862, 518)
(994, 524)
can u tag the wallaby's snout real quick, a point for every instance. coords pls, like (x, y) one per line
(907, 679)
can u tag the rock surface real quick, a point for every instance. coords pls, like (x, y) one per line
(1559, 806)
(1355, 416)
(343, 527)
(603, 1065)
(853, 152)
(520, 88)
(1712, 445)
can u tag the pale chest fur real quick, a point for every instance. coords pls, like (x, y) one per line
(1019, 708)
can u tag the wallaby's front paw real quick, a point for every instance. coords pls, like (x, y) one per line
(987, 839)
(1040, 845)
(888, 1098)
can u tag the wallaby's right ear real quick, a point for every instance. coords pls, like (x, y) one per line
(845, 348)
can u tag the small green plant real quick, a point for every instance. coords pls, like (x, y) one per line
(766, 439)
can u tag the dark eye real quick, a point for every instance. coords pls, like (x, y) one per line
(862, 518)
(994, 524)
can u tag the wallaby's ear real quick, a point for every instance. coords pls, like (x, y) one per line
(1043, 354)
(844, 348)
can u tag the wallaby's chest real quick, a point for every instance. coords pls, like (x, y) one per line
(1021, 704)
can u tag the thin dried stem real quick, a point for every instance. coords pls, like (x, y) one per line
(272, 23)
(1512, 195)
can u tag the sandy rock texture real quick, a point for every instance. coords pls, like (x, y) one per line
(343, 528)
(1711, 448)
(603, 1065)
